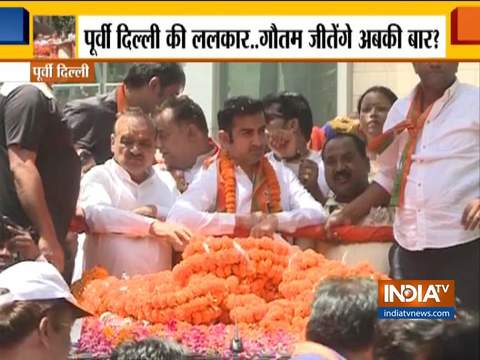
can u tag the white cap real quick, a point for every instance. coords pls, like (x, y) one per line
(35, 280)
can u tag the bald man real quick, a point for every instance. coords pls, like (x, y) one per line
(125, 202)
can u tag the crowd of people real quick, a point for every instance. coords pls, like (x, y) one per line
(54, 46)
(123, 180)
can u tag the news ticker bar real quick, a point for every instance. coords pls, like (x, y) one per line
(444, 313)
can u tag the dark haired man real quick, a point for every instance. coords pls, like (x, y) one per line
(343, 317)
(346, 169)
(125, 202)
(183, 138)
(241, 189)
(428, 339)
(289, 126)
(91, 120)
(430, 173)
(151, 349)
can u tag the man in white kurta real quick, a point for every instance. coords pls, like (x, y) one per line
(438, 207)
(242, 136)
(183, 139)
(124, 201)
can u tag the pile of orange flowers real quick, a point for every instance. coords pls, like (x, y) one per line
(222, 280)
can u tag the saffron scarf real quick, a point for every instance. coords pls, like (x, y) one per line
(266, 190)
(414, 124)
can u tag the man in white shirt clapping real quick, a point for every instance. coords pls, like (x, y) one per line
(125, 202)
(241, 190)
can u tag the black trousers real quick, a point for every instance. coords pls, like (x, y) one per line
(460, 263)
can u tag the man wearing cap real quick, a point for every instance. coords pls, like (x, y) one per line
(37, 311)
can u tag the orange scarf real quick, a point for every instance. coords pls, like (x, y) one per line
(121, 99)
(414, 125)
(266, 190)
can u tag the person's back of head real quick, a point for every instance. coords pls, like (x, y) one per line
(343, 316)
(401, 339)
(149, 349)
(185, 110)
(139, 75)
(459, 340)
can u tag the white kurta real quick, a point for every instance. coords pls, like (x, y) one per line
(444, 176)
(119, 239)
(196, 207)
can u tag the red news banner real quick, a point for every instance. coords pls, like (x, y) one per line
(58, 72)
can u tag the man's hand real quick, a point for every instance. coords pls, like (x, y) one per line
(53, 252)
(78, 224)
(282, 142)
(147, 210)
(336, 218)
(247, 222)
(86, 160)
(308, 174)
(21, 242)
(177, 235)
(471, 215)
(267, 227)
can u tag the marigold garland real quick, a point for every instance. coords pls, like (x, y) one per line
(261, 282)
(228, 188)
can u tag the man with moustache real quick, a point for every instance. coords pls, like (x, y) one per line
(346, 170)
(241, 190)
(430, 173)
(124, 201)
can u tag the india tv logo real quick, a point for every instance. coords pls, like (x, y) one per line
(416, 299)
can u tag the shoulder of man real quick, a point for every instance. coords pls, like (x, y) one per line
(209, 161)
(469, 90)
(103, 103)
(98, 173)
(164, 176)
(26, 90)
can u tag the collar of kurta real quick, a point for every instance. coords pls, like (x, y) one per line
(124, 175)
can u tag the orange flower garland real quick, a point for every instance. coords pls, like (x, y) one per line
(243, 280)
(228, 185)
(273, 186)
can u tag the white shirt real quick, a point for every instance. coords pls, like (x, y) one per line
(444, 176)
(119, 239)
(195, 208)
(189, 174)
(315, 156)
